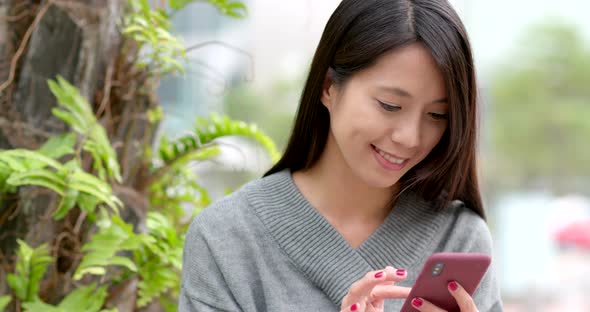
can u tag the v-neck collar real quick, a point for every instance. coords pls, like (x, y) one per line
(319, 250)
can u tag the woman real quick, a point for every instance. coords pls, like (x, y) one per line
(379, 173)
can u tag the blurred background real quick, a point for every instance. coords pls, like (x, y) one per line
(533, 63)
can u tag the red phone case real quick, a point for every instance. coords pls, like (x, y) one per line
(466, 268)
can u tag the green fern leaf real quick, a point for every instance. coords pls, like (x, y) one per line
(76, 112)
(30, 268)
(216, 127)
(26, 160)
(87, 299)
(113, 236)
(89, 184)
(4, 301)
(59, 146)
(87, 202)
(40, 306)
(41, 177)
(66, 203)
(159, 259)
(69, 119)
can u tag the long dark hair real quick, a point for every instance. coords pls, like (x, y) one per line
(356, 35)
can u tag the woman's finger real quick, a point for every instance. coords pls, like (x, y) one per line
(355, 307)
(395, 275)
(387, 289)
(422, 305)
(361, 290)
(464, 300)
(381, 292)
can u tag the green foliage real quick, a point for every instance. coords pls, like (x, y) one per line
(541, 102)
(24, 167)
(177, 187)
(178, 184)
(88, 298)
(234, 9)
(30, 268)
(77, 113)
(150, 29)
(184, 149)
(4, 301)
(114, 235)
(21, 160)
(58, 146)
(154, 258)
(155, 115)
(215, 127)
(159, 259)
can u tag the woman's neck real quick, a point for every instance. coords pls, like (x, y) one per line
(333, 188)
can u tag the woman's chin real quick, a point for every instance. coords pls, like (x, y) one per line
(380, 180)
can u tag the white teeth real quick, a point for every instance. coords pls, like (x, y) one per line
(390, 158)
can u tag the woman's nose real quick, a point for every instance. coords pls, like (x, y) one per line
(407, 133)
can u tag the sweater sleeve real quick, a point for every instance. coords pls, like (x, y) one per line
(203, 287)
(476, 237)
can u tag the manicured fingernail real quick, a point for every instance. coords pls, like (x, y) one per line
(379, 274)
(354, 307)
(400, 272)
(417, 302)
(453, 286)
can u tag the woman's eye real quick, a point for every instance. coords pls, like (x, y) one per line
(389, 108)
(437, 116)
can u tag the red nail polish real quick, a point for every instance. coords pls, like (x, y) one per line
(400, 272)
(379, 274)
(453, 286)
(417, 302)
(354, 307)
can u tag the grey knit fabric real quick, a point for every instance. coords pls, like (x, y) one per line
(265, 248)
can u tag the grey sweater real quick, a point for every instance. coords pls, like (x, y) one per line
(265, 248)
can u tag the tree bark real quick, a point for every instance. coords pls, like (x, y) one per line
(78, 40)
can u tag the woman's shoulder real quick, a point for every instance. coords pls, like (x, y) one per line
(469, 231)
(227, 207)
(467, 217)
(235, 209)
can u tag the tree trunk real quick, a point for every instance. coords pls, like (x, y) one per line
(79, 40)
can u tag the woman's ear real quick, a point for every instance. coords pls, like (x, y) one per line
(328, 91)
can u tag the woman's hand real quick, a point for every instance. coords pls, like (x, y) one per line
(368, 293)
(463, 299)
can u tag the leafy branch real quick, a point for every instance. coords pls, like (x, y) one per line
(114, 235)
(30, 268)
(88, 298)
(159, 259)
(76, 112)
(154, 258)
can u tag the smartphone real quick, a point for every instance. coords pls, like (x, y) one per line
(441, 268)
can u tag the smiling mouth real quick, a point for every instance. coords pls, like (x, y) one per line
(389, 157)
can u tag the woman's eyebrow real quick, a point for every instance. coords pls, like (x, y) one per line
(403, 93)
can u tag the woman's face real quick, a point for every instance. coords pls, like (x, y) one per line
(388, 117)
